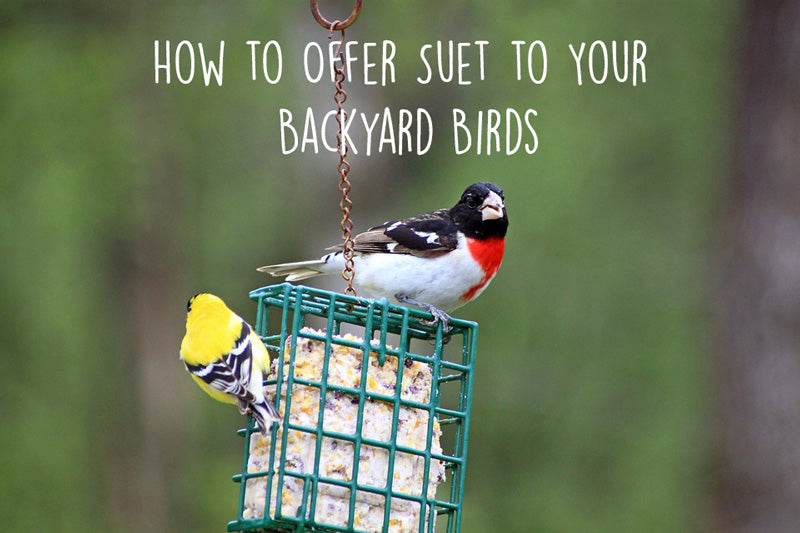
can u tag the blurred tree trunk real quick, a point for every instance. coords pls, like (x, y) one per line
(759, 335)
(142, 497)
(143, 492)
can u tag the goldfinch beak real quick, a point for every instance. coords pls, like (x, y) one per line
(492, 207)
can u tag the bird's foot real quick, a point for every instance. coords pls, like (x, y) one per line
(438, 314)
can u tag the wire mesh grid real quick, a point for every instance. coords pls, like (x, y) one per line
(405, 413)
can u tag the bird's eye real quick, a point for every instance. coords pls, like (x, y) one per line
(472, 202)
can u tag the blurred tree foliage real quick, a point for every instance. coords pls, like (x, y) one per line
(122, 198)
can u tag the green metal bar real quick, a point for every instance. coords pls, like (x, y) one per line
(451, 377)
(262, 316)
(360, 416)
(243, 483)
(384, 303)
(297, 319)
(301, 509)
(377, 396)
(461, 443)
(387, 511)
(434, 402)
(271, 462)
(319, 302)
(323, 393)
(377, 444)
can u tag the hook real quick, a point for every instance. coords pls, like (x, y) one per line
(335, 25)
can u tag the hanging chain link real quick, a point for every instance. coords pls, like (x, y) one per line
(340, 96)
(336, 25)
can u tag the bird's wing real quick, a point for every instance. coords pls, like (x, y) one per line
(428, 235)
(260, 353)
(231, 373)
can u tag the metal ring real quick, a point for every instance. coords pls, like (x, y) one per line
(336, 25)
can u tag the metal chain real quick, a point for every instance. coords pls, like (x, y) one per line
(336, 25)
(340, 96)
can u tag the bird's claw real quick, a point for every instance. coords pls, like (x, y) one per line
(439, 316)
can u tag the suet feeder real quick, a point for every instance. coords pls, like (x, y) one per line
(373, 443)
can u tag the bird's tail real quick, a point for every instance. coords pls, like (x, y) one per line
(265, 415)
(297, 271)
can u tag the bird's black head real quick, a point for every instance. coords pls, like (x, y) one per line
(481, 212)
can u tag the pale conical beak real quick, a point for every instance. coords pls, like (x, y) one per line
(492, 207)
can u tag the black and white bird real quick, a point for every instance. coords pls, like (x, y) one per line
(438, 261)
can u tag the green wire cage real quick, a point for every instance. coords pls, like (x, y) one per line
(375, 444)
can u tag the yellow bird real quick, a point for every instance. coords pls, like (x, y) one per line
(226, 358)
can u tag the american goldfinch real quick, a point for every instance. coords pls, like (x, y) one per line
(226, 358)
(438, 261)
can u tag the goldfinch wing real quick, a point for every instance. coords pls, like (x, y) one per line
(260, 353)
(231, 373)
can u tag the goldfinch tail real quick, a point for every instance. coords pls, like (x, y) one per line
(265, 415)
(298, 271)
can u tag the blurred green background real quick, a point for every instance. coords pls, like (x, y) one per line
(122, 198)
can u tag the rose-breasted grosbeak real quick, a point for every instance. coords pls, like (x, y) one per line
(438, 261)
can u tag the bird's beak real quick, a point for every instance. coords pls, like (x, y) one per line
(492, 207)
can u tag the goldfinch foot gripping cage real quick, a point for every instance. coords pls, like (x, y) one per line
(373, 443)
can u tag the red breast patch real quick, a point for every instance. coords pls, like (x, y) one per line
(489, 254)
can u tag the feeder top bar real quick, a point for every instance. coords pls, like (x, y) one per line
(355, 310)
